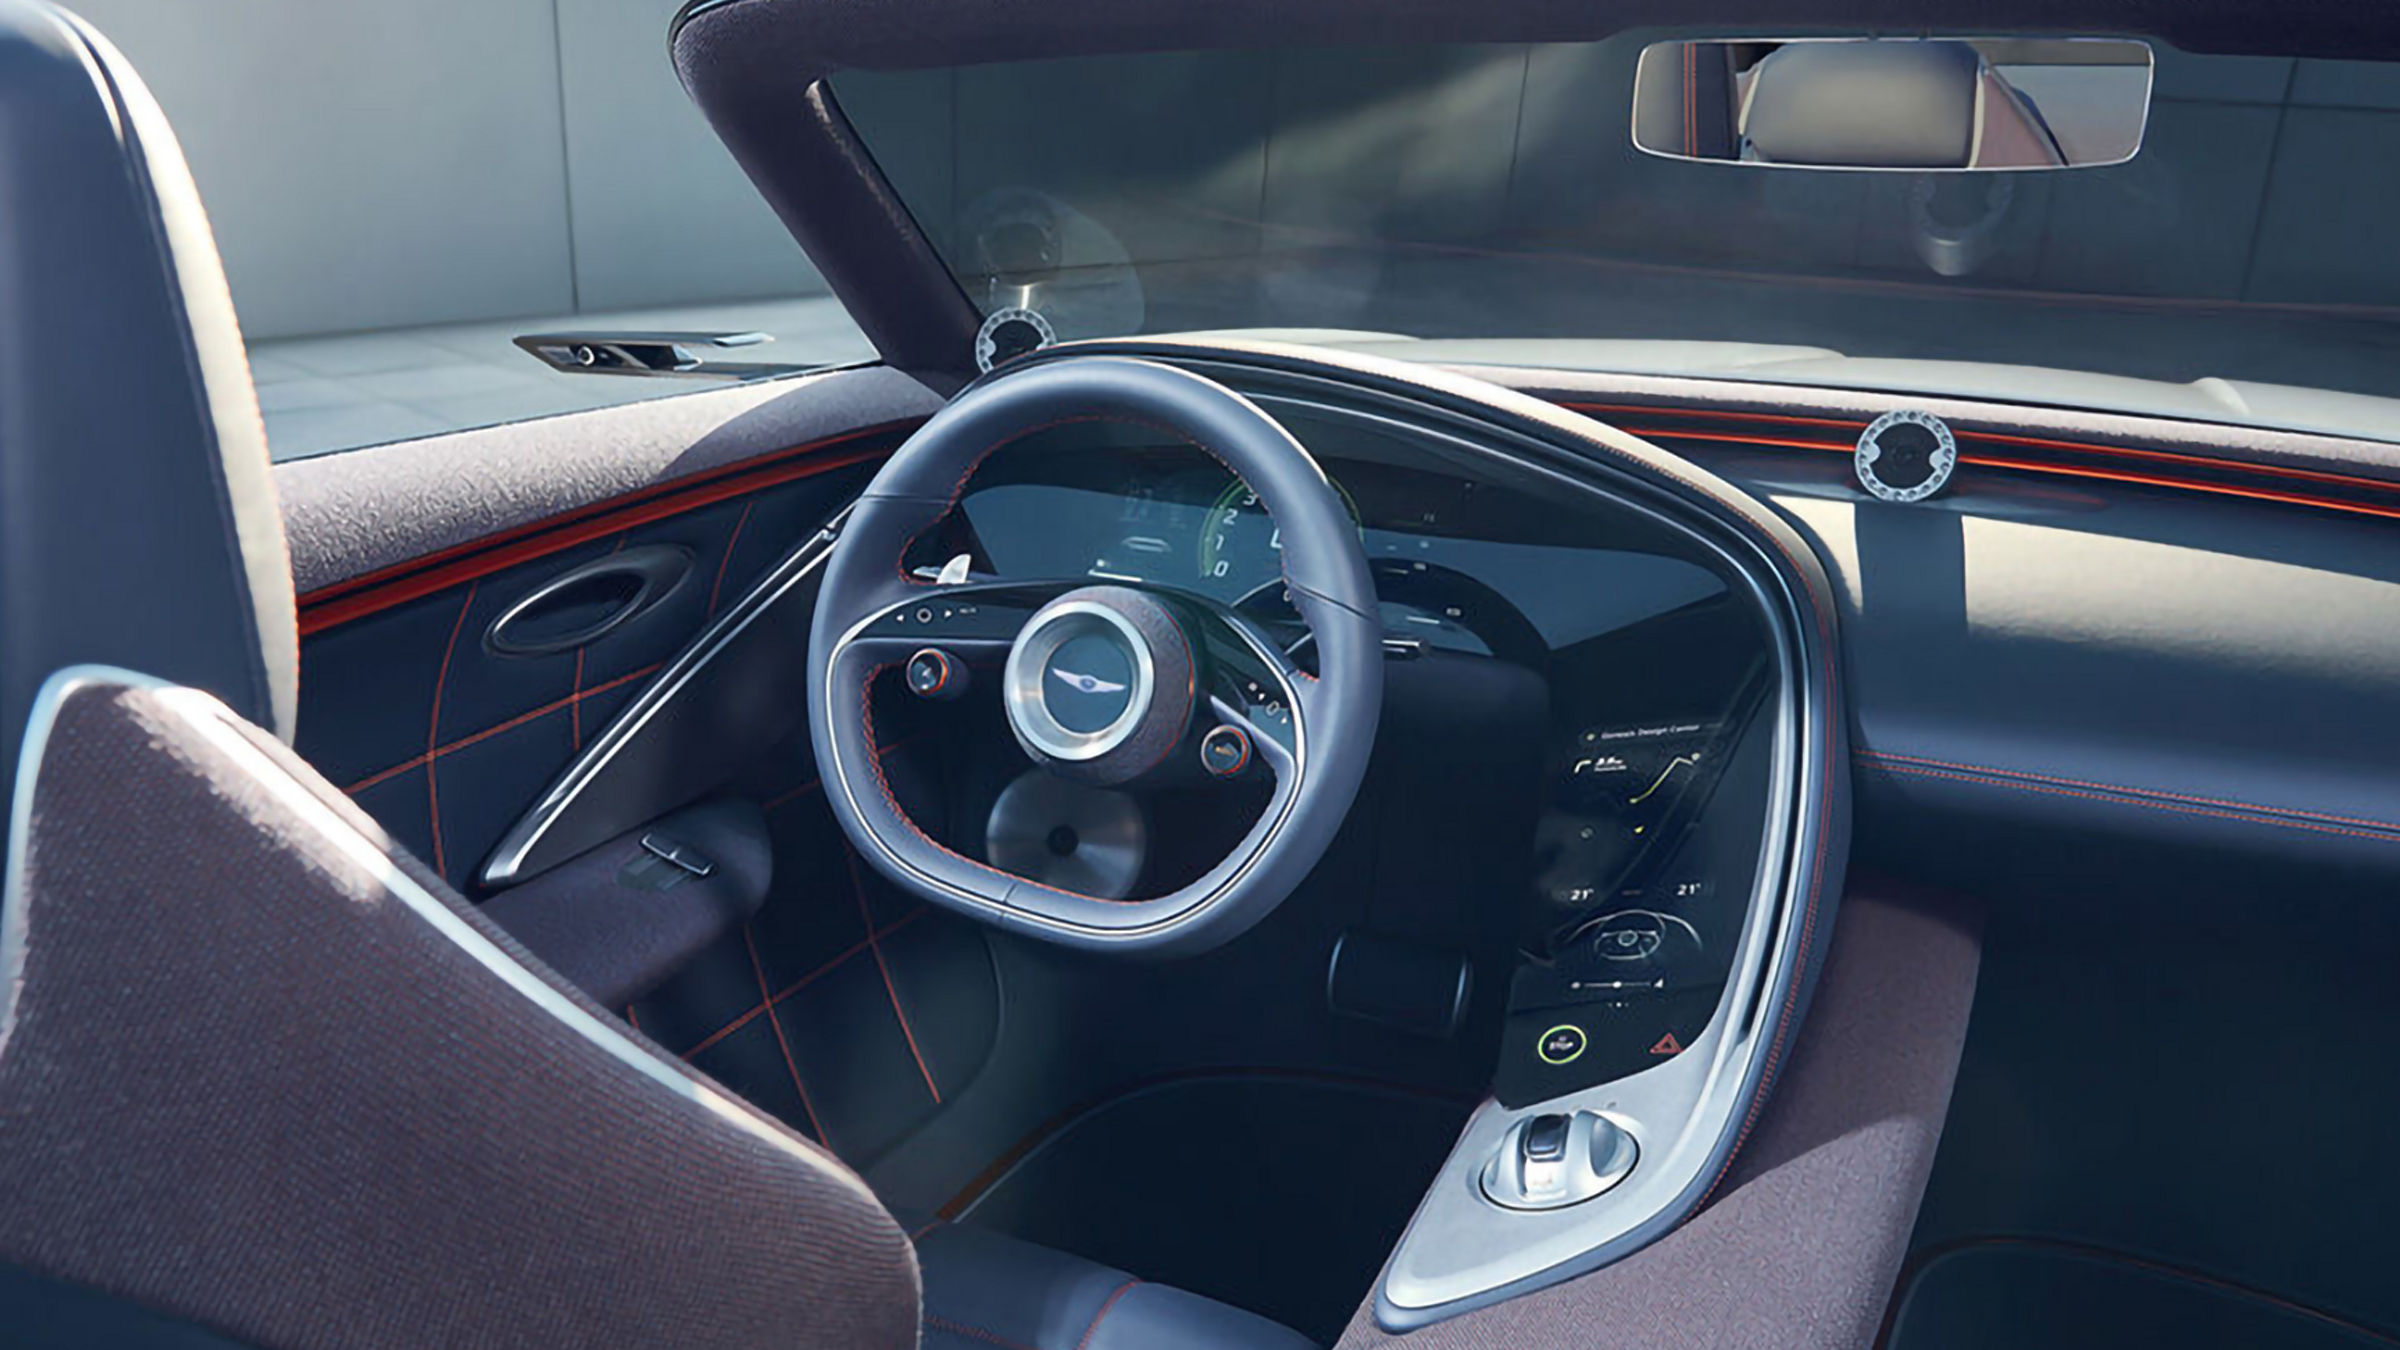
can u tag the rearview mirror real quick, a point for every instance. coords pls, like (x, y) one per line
(1895, 103)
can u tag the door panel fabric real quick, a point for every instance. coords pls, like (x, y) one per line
(844, 1008)
(447, 741)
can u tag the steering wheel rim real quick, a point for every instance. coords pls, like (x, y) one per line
(860, 631)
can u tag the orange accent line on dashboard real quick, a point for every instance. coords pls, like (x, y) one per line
(1738, 438)
(2200, 461)
(2187, 485)
(1991, 461)
(1722, 414)
(344, 601)
(2000, 438)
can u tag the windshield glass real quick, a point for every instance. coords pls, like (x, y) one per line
(1485, 204)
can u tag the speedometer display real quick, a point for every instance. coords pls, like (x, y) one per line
(1240, 545)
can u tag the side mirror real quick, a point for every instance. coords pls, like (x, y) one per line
(1917, 104)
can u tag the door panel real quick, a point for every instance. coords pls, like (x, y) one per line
(445, 740)
(844, 1008)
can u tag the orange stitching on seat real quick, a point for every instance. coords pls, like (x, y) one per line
(1094, 1328)
(2130, 797)
(415, 761)
(433, 729)
(806, 1105)
(858, 889)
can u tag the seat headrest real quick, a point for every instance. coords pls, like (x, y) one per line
(138, 525)
(1892, 105)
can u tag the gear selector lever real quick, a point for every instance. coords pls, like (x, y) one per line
(1544, 1139)
(1549, 1161)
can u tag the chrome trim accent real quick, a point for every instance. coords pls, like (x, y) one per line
(1029, 715)
(656, 568)
(1461, 1250)
(1939, 465)
(1600, 1153)
(987, 335)
(508, 863)
(1289, 771)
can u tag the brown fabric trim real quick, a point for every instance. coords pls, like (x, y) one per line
(338, 1118)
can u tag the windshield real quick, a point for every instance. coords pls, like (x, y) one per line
(1485, 204)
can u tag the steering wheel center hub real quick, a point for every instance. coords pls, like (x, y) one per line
(1098, 685)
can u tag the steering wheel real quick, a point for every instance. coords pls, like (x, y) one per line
(1114, 685)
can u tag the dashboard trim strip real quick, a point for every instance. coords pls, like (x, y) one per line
(2251, 481)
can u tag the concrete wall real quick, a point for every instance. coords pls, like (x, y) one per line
(2261, 179)
(374, 166)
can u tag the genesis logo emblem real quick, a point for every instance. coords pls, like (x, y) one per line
(1905, 456)
(1088, 684)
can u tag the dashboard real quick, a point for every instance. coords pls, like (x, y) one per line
(1604, 669)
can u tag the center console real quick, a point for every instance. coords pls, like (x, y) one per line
(1664, 662)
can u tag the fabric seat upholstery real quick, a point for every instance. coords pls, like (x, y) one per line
(983, 1289)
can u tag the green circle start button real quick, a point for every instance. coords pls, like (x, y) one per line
(1561, 1044)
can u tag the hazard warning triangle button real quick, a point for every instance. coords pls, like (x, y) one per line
(1667, 1045)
